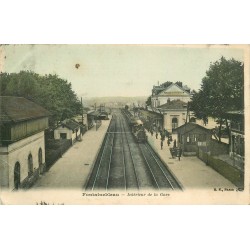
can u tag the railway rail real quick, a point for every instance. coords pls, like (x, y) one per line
(124, 164)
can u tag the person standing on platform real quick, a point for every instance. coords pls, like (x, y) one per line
(179, 153)
(161, 144)
(168, 142)
(162, 137)
(156, 135)
(174, 143)
(173, 152)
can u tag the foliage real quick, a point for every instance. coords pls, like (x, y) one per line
(198, 105)
(50, 91)
(148, 102)
(222, 90)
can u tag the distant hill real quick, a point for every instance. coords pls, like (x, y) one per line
(115, 101)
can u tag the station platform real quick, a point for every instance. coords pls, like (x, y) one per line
(72, 170)
(191, 172)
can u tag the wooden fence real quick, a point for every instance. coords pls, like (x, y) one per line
(229, 172)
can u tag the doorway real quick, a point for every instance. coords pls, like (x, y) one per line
(30, 165)
(40, 159)
(63, 136)
(17, 174)
(174, 123)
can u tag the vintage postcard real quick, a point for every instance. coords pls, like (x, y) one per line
(124, 124)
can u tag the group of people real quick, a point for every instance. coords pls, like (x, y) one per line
(163, 133)
(175, 151)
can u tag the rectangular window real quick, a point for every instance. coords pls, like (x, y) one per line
(191, 139)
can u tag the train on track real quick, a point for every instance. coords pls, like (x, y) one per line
(138, 131)
(136, 126)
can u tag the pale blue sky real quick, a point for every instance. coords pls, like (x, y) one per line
(117, 70)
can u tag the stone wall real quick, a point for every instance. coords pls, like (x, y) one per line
(19, 152)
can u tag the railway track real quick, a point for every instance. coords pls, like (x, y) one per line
(162, 176)
(130, 171)
(123, 164)
(100, 173)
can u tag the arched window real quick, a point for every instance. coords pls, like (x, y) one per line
(192, 120)
(174, 123)
(40, 157)
(17, 175)
(30, 165)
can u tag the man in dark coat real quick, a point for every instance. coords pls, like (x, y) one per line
(174, 143)
(179, 153)
(161, 144)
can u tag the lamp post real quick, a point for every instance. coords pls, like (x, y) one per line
(82, 110)
(207, 153)
(233, 149)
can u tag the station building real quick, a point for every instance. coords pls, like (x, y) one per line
(22, 146)
(169, 101)
(174, 114)
(69, 129)
(190, 136)
(169, 91)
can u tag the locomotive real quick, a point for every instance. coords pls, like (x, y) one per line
(136, 126)
(139, 131)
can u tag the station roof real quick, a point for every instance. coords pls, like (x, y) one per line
(152, 114)
(94, 113)
(174, 105)
(190, 126)
(235, 115)
(164, 86)
(235, 112)
(15, 109)
(70, 124)
(103, 113)
(158, 89)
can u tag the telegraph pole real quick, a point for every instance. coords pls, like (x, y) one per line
(185, 137)
(188, 115)
(82, 110)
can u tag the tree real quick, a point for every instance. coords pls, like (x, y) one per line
(148, 102)
(222, 90)
(50, 91)
(198, 105)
